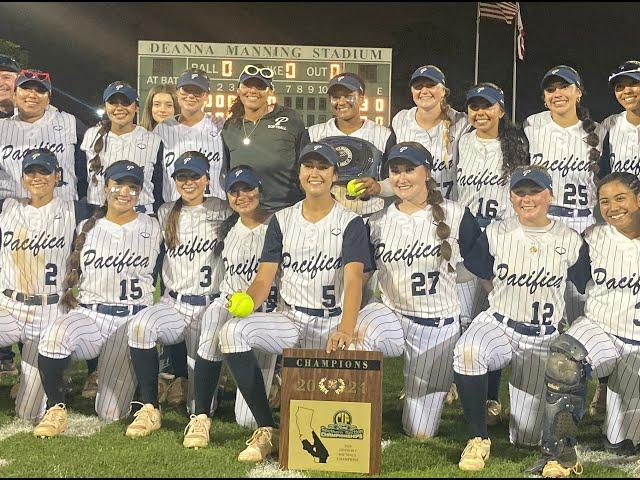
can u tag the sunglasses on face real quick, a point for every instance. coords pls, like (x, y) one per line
(134, 190)
(188, 176)
(36, 74)
(119, 99)
(265, 72)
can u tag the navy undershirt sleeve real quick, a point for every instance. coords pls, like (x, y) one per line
(354, 239)
(479, 261)
(272, 249)
(580, 272)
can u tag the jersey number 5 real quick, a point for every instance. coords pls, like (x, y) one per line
(419, 283)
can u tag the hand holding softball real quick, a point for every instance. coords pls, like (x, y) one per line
(240, 304)
(355, 188)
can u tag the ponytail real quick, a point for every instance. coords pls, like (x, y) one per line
(223, 230)
(73, 275)
(443, 231)
(589, 127)
(95, 164)
(514, 146)
(446, 123)
(171, 226)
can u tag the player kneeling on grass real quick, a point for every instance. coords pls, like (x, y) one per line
(240, 242)
(32, 270)
(528, 258)
(417, 242)
(112, 264)
(316, 246)
(606, 339)
(191, 275)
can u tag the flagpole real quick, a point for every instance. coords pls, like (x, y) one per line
(475, 76)
(515, 54)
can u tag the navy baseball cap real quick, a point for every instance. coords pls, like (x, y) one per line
(121, 88)
(192, 161)
(630, 68)
(35, 76)
(196, 79)
(349, 82)
(264, 74)
(241, 174)
(9, 64)
(538, 177)
(428, 71)
(490, 93)
(41, 157)
(566, 73)
(325, 151)
(411, 153)
(123, 169)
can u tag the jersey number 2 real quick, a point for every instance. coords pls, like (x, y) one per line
(50, 273)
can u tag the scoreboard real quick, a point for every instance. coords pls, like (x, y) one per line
(301, 73)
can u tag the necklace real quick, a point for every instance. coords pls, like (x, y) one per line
(246, 139)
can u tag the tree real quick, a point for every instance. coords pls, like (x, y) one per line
(16, 51)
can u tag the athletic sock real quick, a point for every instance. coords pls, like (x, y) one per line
(493, 389)
(207, 375)
(178, 358)
(145, 366)
(51, 373)
(472, 390)
(248, 376)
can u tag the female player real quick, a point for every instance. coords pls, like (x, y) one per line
(37, 233)
(486, 157)
(346, 93)
(568, 143)
(191, 275)
(240, 241)
(416, 243)
(38, 124)
(112, 264)
(528, 258)
(433, 123)
(621, 148)
(161, 104)
(192, 130)
(118, 137)
(605, 340)
(317, 246)
(265, 136)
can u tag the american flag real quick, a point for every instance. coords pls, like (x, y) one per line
(507, 12)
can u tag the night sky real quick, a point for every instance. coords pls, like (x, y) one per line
(86, 46)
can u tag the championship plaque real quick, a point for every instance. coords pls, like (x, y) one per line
(331, 410)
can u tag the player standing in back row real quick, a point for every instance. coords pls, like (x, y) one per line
(528, 257)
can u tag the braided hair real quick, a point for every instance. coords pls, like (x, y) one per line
(95, 164)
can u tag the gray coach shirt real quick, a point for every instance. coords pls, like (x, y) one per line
(275, 142)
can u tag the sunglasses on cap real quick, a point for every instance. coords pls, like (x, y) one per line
(36, 74)
(265, 72)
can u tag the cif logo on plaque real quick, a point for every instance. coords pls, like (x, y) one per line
(328, 435)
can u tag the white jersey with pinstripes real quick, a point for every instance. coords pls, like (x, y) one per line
(56, 131)
(407, 129)
(624, 143)
(565, 153)
(377, 135)
(530, 269)
(240, 256)
(36, 244)
(414, 279)
(482, 188)
(204, 137)
(191, 268)
(613, 294)
(117, 262)
(138, 146)
(311, 254)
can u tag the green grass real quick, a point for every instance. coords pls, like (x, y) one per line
(109, 453)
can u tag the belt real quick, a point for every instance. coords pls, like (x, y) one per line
(115, 310)
(526, 328)
(320, 312)
(196, 300)
(32, 299)
(558, 211)
(628, 340)
(431, 322)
